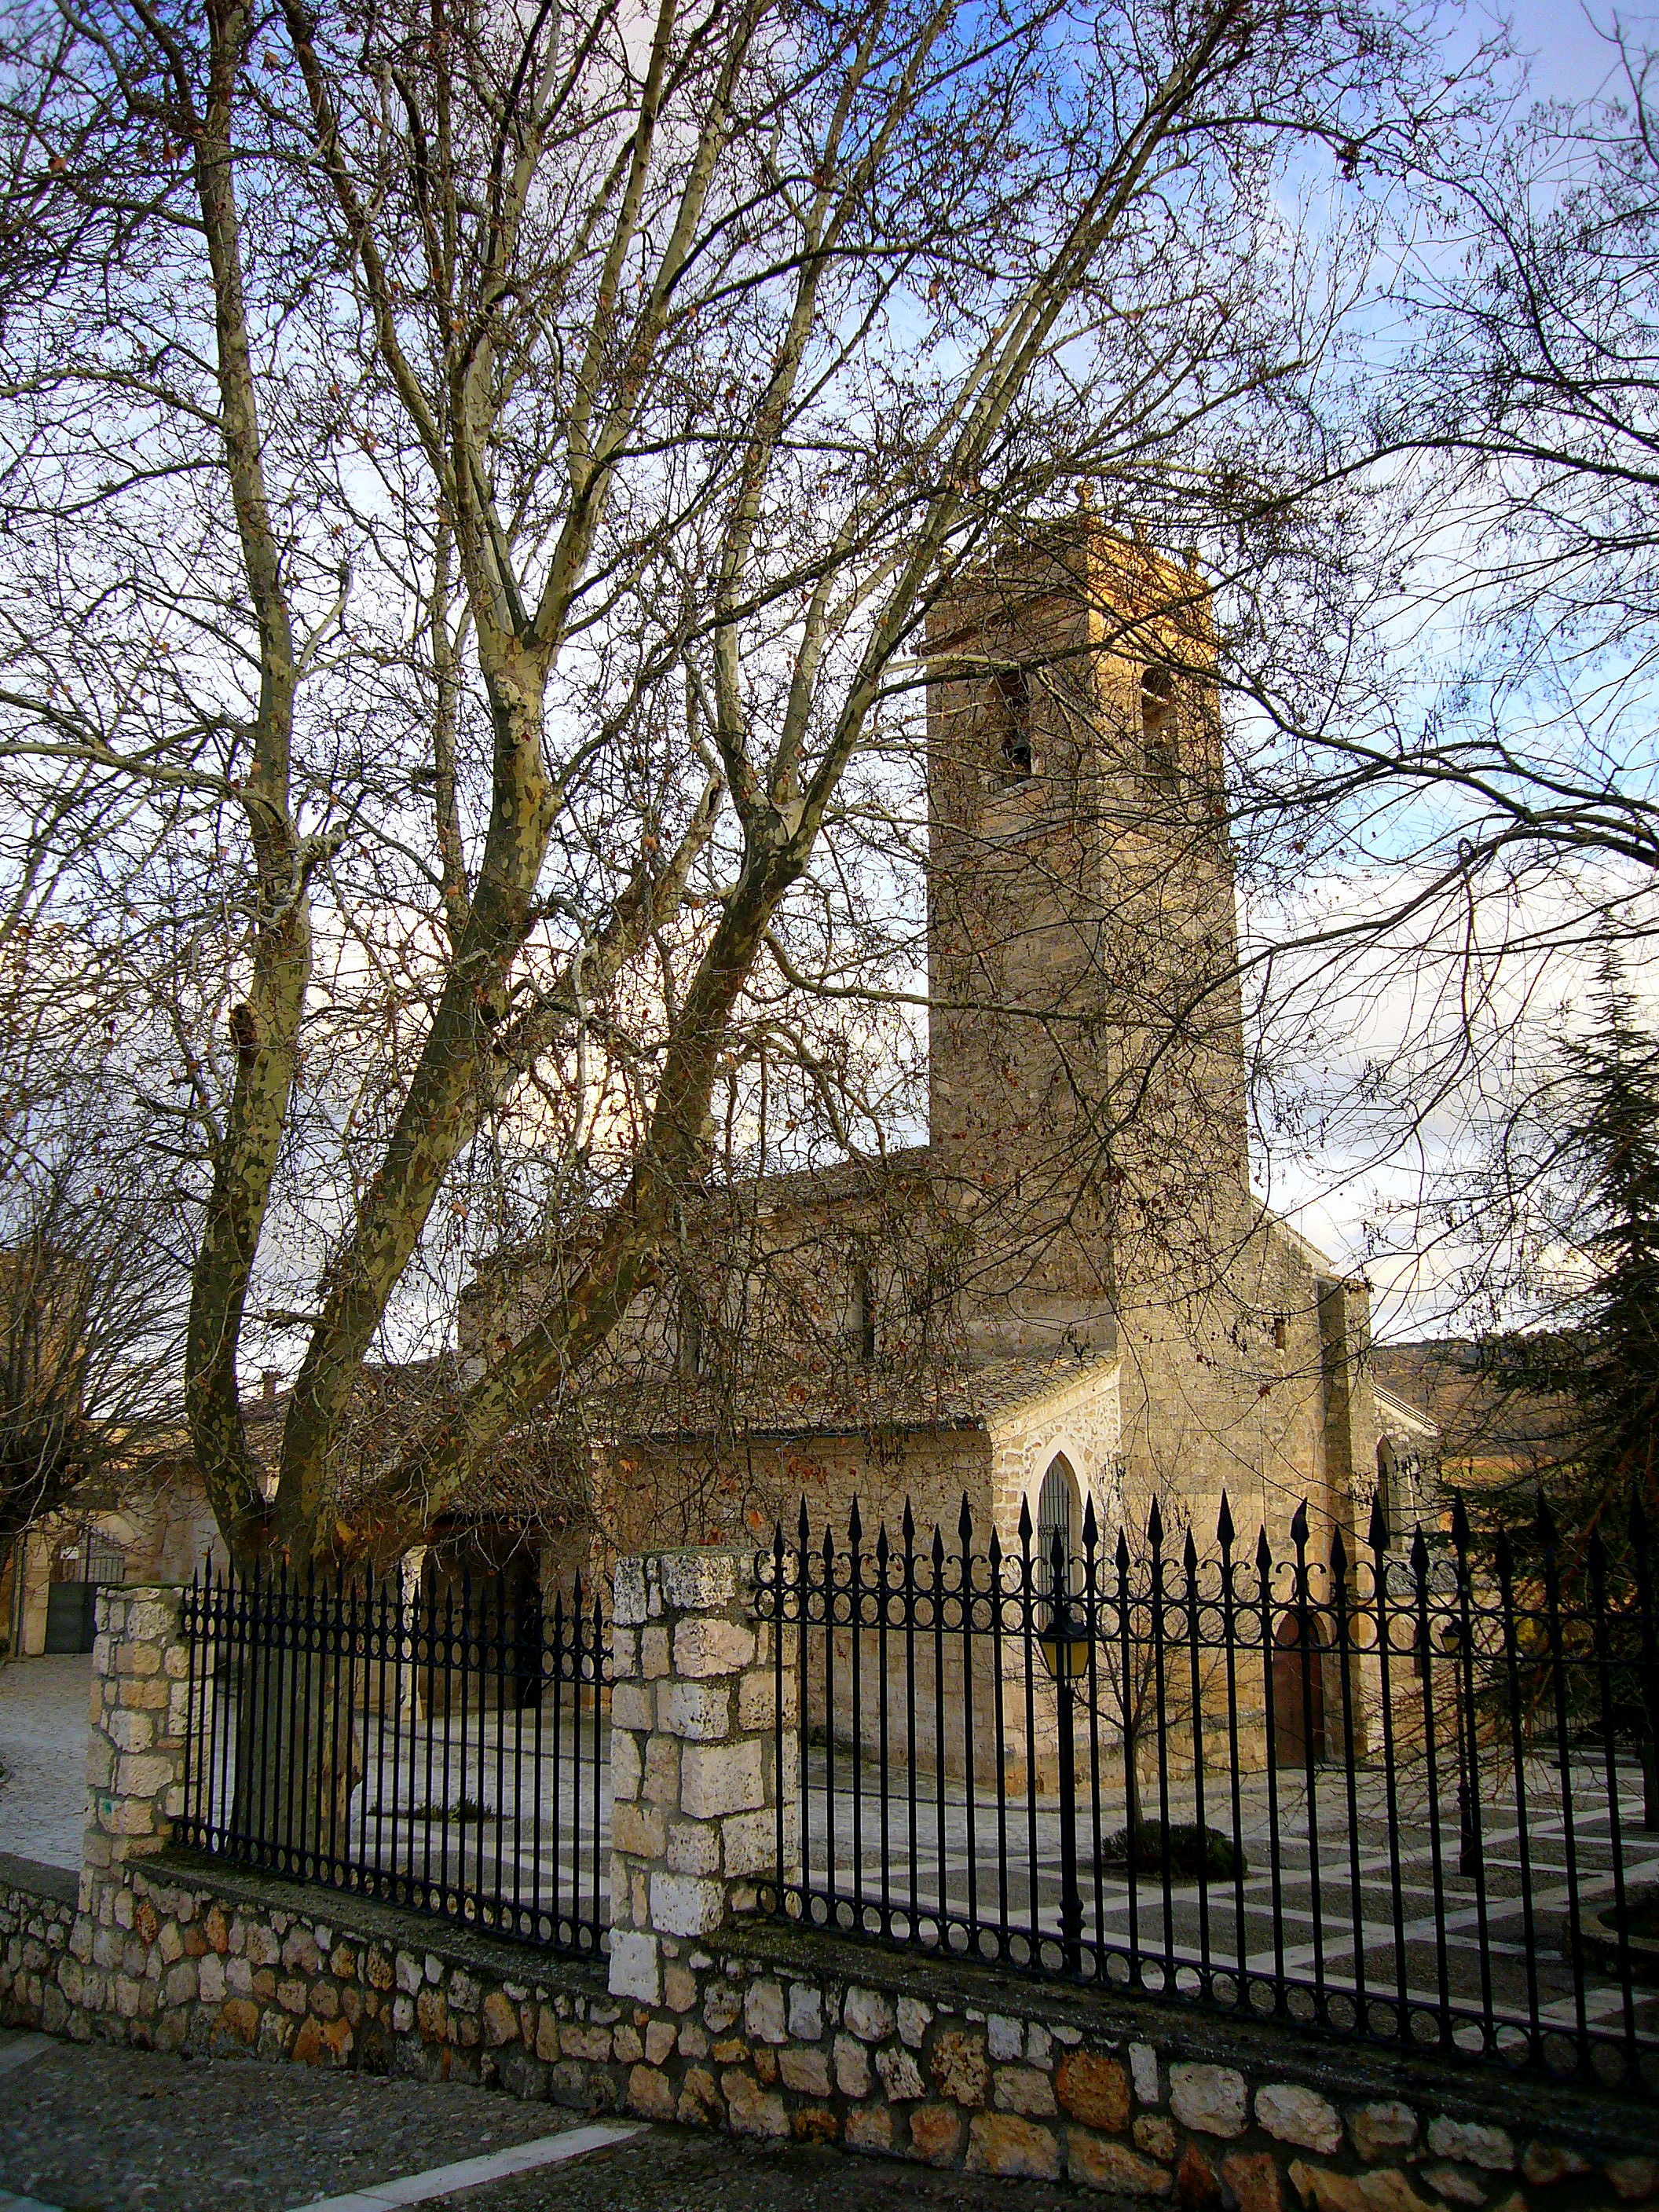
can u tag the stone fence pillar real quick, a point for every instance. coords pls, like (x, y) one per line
(137, 1728)
(696, 1777)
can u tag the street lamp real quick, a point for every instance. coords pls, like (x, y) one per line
(1064, 1644)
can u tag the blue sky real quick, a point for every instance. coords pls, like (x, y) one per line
(1570, 61)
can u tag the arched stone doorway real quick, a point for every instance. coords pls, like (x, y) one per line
(1299, 1672)
(1059, 1514)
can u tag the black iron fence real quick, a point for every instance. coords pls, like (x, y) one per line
(445, 1746)
(1405, 1796)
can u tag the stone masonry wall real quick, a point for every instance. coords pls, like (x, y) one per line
(718, 2015)
(779, 2035)
(37, 1918)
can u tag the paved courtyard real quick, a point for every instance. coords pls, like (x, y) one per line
(94, 2129)
(43, 1757)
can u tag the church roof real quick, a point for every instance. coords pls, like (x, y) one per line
(852, 1400)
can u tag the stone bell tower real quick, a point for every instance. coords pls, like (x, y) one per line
(1087, 1107)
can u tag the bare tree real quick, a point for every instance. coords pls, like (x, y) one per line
(478, 489)
(91, 1322)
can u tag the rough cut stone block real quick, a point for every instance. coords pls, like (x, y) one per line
(635, 1966)
(763, 2012)
(1632, 2178)
(632, 1707)
(1005, 2038)
(748, 1841)
(1098, 2163)
(1250, 2177)
(1322, 2190)
(693, 1847)
(1001, 2143)
(650, 2094)
(913, 2016)
(870, 2127)
(1022, 2090)
(1143, 2071)
(1472, 2143)
(1095, 2089)
(627, 1765)
(686, 1904)
(627, 1598)
(1384, 2131)
(1196, 2187)
(661, 1783)
(1295, 2115)
(959, 2066)
(807, 2071)
(698, 1712)
(852, 2067)
(749, 2111)
(1211, 2100)
(757, 1701)
(900, 2075)
(720, 1777)
(1456, 2185)
(700, 1580)
(936, 2134)
(711, 1647)
(805, 2013)
(641, 1829)
(868, 2015)
(1543, 2164)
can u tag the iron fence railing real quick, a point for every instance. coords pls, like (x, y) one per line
(1404, 1796)
(445, 1747)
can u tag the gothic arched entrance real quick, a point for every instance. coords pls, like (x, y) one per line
(1298, 1684)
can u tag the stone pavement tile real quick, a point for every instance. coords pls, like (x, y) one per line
(93, 2129)
(43, 1757)
(671, 2170)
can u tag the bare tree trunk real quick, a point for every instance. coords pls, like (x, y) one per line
(298, 1756)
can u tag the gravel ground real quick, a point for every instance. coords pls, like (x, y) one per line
(94, 2129)
(670, 2171)
(43, 1749)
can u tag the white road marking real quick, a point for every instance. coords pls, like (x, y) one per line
(22, 2051)
(10, 2203)
(467, 2172)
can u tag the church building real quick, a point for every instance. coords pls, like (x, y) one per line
(1070, 1292)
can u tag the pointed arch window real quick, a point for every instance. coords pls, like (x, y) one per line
(1160, 732)
(1058, 1513)
(1011, 726)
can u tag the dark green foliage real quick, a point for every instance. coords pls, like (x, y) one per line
(1598, 1350)
(1196, 1854)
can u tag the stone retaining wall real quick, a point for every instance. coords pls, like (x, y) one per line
(37, 1918)
(710, 2014)
(187, 1956)
(804, 2036)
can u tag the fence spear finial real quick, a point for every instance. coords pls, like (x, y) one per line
(1460, 1521)
(1377, 1534)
